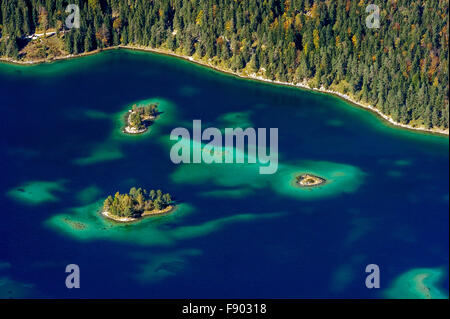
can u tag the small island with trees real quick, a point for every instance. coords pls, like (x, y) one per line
(139, 118)
(309, 180)
(137, 204)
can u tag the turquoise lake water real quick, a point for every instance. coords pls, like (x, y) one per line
(235, 233)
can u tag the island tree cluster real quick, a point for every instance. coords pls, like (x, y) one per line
(136, 202)
(400, 67)
(141, 115)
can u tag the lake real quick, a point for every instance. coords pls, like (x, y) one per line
(235, 233)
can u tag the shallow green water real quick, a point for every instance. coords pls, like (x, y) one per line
(236, 233)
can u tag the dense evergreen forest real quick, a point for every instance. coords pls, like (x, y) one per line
(401, 67)
(141, 115)
(136, 202)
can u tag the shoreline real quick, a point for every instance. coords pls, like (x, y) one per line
(132, 131)
(302, 85)
(168, 209)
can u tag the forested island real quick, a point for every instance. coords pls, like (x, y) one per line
(139, 118)
(399, 68)
(137, 204)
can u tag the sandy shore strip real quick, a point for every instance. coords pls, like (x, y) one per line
(303, 85)
(132, 130)
(166, 210)
(154, 212)
(117, 218)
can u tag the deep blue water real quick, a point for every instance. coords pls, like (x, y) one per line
(397, 217)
